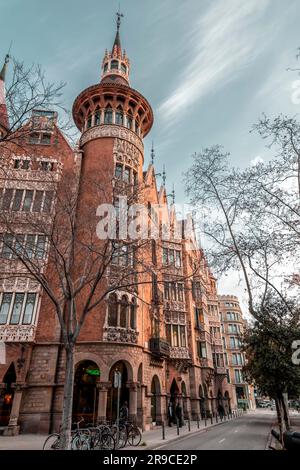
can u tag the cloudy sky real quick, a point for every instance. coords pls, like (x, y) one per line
(208, 67)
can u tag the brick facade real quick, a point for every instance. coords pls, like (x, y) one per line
(170, 352)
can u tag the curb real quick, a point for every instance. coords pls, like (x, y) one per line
(192, 433)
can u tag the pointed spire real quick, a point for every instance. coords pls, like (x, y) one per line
(3, 70)
(117, 44)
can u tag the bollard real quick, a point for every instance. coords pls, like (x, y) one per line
(211, 419)
(189, 424)
(198, 424)
(177, 422)
(205, 420)
(216, 417)
(163, 431)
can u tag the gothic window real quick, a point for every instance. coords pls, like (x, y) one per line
(89, 122)
(114, 65)
(37, 204)
(165, 256)
(135, 178)
(108, 116)
(133, 308)
(175, 338)
(119, 117)
(29, 309)
(48, 201)
(17, 308)
(129, 122)
(178, 259)
(46, 139)
(126, 176)
(182, 336)
(123, 68)
(5, 306)
(97, 118)
(28, 200)
(180, 292)
(17, 202)
(123, 311)
(112, 310)
(106, 67)
(119, 171)
(167, 291)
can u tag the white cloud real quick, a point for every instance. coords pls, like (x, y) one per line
(256, 160)
(226, 40)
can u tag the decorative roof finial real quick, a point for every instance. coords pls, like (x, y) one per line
(119, 16)
(164, 176)
(152, 154)
(173, 194)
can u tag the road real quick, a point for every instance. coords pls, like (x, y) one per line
(249, 432)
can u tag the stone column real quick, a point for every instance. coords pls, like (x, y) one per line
(102, 400)
(133, 389)
(13, 427)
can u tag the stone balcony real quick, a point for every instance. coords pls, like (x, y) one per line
(220, 371)
(120, 335)
(179, 353)
(159, 347)
(17, 333)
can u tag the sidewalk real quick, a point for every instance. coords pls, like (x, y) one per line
(150, 440)
(295, 426)
(154, 439)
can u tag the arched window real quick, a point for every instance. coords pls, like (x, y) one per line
(123, 68)
(123, 311)
(119, 116)
(97, 117)
(106, 67)
(112, 310)
(108, 116)
(133, 308)
(114, 65)
(89, 121)
(129, 120)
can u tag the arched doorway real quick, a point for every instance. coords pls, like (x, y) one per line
(85, 397)
(112, 396)
(202, 402)
(184, 401)
(155, 400)
(227, 402)
(7, 395)
(174, 395)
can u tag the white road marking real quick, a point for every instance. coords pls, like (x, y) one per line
(222, 440)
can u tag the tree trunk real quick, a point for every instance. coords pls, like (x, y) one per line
(285, 412)
(279, 418)
(68, 399)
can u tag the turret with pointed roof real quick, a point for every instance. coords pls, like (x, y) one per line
(4, 123)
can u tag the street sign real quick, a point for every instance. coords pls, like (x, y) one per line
(117, 379)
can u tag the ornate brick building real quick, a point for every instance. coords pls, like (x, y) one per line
(232, 326)
(164, 336)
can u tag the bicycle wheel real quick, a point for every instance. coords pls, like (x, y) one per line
(107, 442)
(134, 436)
(80, 442)
(52, 442)
(120, 440)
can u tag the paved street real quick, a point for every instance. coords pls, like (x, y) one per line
(249, 432)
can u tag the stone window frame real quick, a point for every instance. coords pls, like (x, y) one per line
(22, 312)
(8, 253)
(129, 303)
(24, 190)
(171, 329)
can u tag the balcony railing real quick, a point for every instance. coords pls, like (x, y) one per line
(220, 370)
(179, 353)
(159, 347)
(17, 333)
